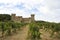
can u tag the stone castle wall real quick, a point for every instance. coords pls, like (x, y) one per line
(21, 19)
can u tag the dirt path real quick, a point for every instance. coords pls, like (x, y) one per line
(22, 35)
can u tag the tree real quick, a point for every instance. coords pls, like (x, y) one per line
(5, 17)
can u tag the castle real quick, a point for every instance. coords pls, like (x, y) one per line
(21, 19)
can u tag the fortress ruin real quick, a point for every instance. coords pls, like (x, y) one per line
(21, 19)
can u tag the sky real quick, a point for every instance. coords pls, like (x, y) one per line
(47, 10)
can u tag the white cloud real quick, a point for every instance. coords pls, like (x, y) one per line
(48, 10)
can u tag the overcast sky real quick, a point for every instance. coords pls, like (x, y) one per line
(47, 10)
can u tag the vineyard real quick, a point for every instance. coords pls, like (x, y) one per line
(52, 28)
(38, 30)
(35, 32)
(9, 28)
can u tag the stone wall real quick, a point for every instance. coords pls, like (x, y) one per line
(21, 19)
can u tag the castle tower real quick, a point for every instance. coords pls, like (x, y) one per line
(13, 17)
(32, 18)
(20, 19)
